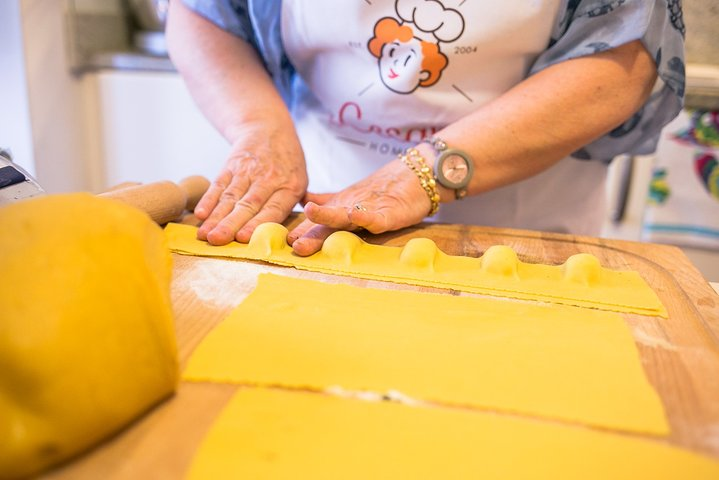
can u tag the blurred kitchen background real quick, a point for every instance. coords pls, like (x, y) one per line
(90, 100)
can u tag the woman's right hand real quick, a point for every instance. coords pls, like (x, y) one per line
(263, 179)
(264, 176)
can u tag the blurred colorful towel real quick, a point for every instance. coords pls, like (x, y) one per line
(683, 207)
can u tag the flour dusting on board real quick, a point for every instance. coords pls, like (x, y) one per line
(223, 284)
(652, 341)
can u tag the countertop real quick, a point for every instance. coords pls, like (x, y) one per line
(680, 354)
(702, 90)
(130, 61)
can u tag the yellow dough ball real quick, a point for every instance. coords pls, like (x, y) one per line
(87, 338)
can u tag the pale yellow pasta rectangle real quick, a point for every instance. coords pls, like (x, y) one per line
(290, 435)
(564, 363)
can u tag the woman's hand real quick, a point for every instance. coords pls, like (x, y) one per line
(389, 199)
(263, 179)
(264, 176)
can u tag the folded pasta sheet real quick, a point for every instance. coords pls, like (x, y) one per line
(570, 364)
(282, 435)
(580, 281)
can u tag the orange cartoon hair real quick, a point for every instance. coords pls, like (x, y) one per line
(388, 30)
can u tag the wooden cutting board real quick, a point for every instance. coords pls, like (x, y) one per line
(680, 354)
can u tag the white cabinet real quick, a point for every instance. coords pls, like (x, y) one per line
(149, 129)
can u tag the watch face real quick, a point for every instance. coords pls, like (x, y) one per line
(455, 170)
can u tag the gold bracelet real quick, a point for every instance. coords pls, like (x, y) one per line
(412, 158)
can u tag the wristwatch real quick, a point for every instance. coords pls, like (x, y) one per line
(453, 168)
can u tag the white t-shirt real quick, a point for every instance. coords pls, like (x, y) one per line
(378, 77)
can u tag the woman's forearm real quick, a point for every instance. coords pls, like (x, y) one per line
(550, 115)
(264, 175)
(224, 75)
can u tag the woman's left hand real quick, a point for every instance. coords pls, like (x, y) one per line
(389, 199)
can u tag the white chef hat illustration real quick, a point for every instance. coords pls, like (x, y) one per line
(433, 22)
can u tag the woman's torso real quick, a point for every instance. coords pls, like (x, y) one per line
(377, 77)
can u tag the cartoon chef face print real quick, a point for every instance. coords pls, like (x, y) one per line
(409, 51)
(400, 65)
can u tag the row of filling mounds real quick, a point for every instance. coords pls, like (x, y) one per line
(580, 281)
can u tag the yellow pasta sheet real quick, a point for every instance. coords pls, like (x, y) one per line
(283, 435)
(580, 281)
(566, 363)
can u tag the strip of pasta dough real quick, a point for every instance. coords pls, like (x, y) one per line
(282, 435)
(580, 281)
(574, 365)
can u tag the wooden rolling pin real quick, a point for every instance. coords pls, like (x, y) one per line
(164, 201)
